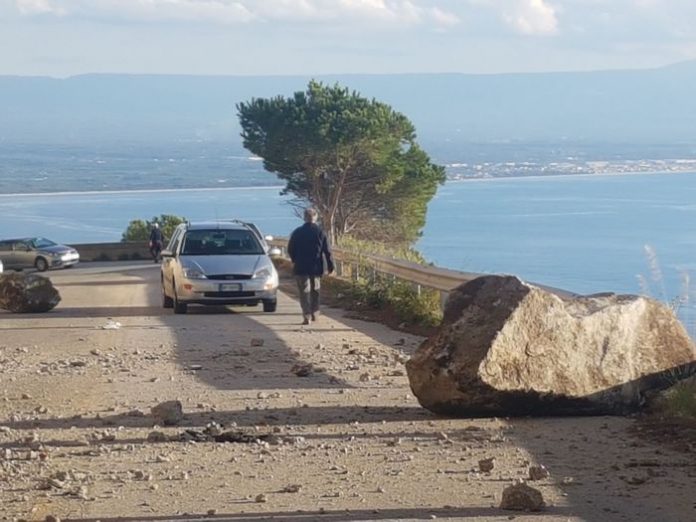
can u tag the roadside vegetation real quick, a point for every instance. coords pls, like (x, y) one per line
(678, 402)
(139, 229)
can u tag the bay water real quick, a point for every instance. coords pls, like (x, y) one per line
(628, 233)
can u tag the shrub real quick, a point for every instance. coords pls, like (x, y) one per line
(680, 400)
(397, 251)
(139, 230)
(398, 298)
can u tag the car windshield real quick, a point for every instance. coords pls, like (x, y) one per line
(220, 243)
(42, 242)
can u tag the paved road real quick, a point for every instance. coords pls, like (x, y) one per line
(350, 441)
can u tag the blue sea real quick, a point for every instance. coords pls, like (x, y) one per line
(629, 233)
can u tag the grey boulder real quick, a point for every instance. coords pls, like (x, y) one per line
(27, 293)
(506, 347)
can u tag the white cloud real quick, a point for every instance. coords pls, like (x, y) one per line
(38, 7)
(395, 12)
(533, 17)
(219, 11)
(528, 17)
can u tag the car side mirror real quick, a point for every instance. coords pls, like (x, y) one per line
(167, 253)
(275, 252)
(268, 238)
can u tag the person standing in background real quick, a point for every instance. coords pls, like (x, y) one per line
(156, 241)
(310, 253)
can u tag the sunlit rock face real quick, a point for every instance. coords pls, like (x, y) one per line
(507, 347)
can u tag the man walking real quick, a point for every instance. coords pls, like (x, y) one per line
(309, 249)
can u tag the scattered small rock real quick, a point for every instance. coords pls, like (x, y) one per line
(521, 497)
(538, 472)
(111, 325)
(256, 341)
(486, 465)
(260, 498)
(302, 369)
(168, 413)
(157, 436)
(292, 488)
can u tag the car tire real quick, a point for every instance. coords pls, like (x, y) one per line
(270, 306)
(179, 307)
(41, 264)
(167, 302)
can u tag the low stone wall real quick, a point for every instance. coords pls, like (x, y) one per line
(123, 251)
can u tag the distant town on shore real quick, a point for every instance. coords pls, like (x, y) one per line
(464, 171)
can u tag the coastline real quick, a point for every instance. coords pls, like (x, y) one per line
(573, 176)
(139, 191)
(483, 179)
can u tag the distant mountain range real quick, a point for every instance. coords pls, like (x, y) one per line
(651, 109)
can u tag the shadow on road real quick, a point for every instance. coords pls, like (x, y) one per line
(336, 516)
(244, 418)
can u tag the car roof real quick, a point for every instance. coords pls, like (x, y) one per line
(216, 225)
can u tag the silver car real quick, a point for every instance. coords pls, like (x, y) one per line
(36, 252)
(218, 263)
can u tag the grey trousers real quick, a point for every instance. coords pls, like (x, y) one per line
(309, 293)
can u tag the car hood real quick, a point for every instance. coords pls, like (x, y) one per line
(246, 264)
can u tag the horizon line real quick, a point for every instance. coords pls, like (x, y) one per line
(333, 74)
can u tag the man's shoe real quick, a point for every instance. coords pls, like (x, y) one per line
(305, 320)
(314, 316)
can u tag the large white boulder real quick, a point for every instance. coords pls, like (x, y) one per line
(510, 348)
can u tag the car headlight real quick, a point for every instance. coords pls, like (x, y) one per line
(193, 273)
(268, 276)
(264, 273)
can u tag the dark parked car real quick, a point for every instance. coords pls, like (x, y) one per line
(36, 252)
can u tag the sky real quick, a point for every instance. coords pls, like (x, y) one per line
(62, 38)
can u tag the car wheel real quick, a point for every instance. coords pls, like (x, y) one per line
(41, 264)
(270, 306)
(179, 307)
(167, 302)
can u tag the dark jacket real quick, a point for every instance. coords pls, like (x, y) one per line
(308, 248)
(156, 235)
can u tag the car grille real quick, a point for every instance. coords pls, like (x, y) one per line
(228, 294)
(229, 277)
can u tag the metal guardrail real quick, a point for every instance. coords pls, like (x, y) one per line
(443, 280)
(350, 265)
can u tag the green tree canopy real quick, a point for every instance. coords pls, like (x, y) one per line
(139, 230)
(355, 160)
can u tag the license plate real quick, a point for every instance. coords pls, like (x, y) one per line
(230, 287)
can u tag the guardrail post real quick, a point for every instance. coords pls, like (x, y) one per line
(443, 299)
